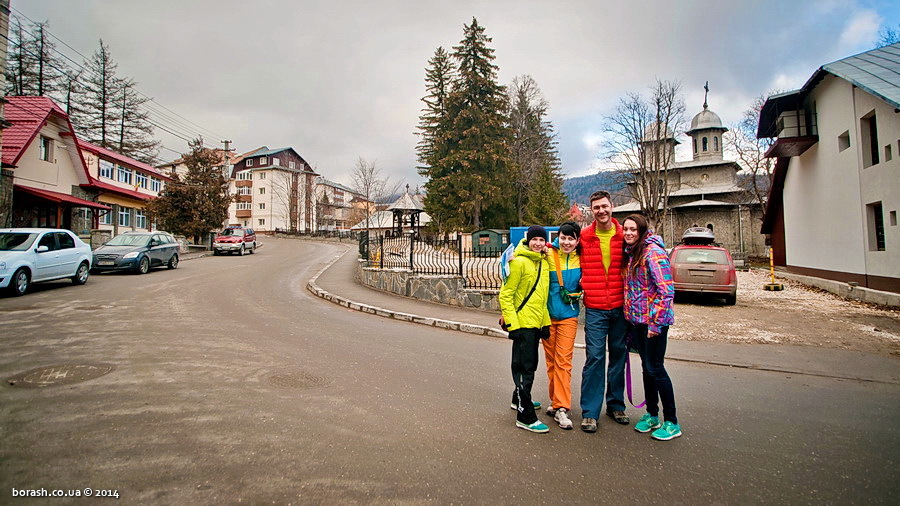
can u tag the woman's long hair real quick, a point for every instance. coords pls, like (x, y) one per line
(636, 256)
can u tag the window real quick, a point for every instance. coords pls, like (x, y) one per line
(155, 184)
(262, 161)
(106, 169)
(276, 162)
(695, 145)
(49, 240)
(888, 155)
(249, 162)
(140, 219)
(140, 179)
(262, 222)
(893, 215)
(65, 240)
(124, 216)
(262, 205)
(869, 139)
(875, 219)
(705, 144)
(716, 143)
(123, 174)
(844, 140)
(106, 218)
(292, 164)
(243, 190)
(244, 175)
(262, 191)
(262, 175)
(46, 151)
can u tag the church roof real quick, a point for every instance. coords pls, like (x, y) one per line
(706, 119)
(695, 164)
(706, 190)
(407, 202)
(653, 132)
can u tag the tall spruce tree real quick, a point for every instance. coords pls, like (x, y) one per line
(50, 69)
(438, 78)
(466, 177)
(135, 135)
(99, 104)
(21, 76)
(197, 203)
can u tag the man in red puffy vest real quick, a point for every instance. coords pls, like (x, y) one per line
(603, 283)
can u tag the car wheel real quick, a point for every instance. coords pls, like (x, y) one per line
(81, 275)
(173, 262)
(143, 266)
(242, 251)
(216, 253)
(20, 281)
(253, 249)
(730, 300)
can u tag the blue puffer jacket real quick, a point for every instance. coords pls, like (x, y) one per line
(570, 267)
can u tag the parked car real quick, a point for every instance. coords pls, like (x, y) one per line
(704, 268)
(137, 251)
(30, 255)
(238, 240)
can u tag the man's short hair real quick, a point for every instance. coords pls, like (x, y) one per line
(600, 194)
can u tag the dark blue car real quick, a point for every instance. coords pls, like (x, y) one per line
(137, 251)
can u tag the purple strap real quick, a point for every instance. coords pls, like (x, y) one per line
(628, 373)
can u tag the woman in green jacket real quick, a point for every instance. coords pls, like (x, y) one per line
(523, 301)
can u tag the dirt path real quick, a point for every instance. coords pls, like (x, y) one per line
(798, 315)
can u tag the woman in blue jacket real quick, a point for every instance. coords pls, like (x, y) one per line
(563, 305)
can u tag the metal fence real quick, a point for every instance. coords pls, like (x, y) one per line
(479, 269)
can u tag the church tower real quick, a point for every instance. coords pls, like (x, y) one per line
(706, 133)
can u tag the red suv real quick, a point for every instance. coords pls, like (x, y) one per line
(704, 268)
(238, 240)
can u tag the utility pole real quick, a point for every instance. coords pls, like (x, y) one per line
(225, 159)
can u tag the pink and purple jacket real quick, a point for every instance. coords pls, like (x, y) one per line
(649, 291)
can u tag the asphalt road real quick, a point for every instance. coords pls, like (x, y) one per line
(231, 383)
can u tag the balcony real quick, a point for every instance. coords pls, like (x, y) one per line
(245, 198)
(243, 183)
(243, 213)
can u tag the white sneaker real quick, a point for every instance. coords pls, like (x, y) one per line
(562, 418)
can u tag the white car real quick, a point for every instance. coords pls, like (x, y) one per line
(29, 255)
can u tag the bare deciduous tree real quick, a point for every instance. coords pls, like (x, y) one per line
(369, 183)
(750, 151)
(641, 142)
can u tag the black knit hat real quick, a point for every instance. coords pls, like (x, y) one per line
(535, 231)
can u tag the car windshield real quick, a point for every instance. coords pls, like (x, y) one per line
(16, 241)
(236, 232)
(700, 256)
(129, 240)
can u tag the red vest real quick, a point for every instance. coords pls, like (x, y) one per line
(602, 289)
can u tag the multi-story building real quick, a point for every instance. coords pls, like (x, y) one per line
(334, 205)
(832, 209)
(276, 191)
(124, 184)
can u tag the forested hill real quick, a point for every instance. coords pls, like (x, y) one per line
(579, 189)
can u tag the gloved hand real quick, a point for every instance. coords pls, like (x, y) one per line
(544, 332)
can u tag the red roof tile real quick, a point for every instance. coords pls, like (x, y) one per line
(27, 115)
(59, 197)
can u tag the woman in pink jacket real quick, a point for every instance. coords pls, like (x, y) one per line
(649, 292)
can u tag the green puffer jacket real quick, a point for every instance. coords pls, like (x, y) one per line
(523, 270)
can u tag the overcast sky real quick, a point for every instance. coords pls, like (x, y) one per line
(337, 80)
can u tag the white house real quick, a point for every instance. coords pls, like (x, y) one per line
(832, 209)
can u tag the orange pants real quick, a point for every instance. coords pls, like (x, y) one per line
(558, 351)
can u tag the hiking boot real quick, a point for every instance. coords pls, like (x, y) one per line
(562, 418)
(618, 416)
(537, 426)
(589, 425)
(647, 423)
(668, 431)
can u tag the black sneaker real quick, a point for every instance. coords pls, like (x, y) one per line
(619, 416)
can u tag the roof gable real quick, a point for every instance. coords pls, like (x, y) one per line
(27, 116)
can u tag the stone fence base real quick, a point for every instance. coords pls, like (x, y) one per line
(448, 290)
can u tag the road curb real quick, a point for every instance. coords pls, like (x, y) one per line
(468, 328)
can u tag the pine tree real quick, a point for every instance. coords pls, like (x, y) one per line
(198, 203)
(50, 68)
(465, 183)
(98, 105)
(135, 133)
(438, 78)
(21, 78)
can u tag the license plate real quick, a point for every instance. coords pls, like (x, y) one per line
(106, 263)
(703, 274)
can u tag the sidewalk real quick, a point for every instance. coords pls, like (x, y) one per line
(336, 283)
